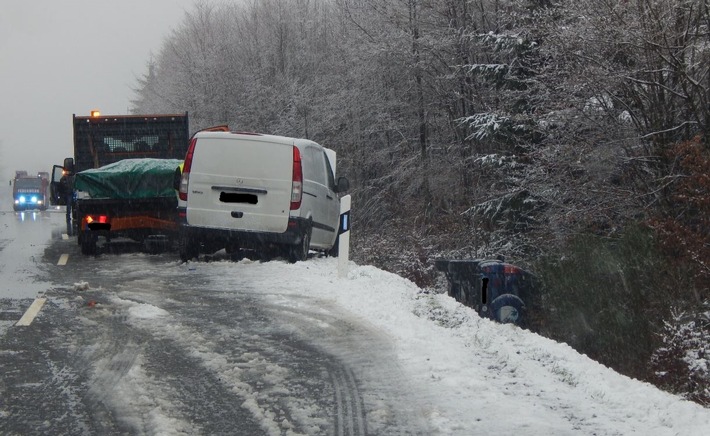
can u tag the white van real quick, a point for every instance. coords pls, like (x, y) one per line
(258, 192)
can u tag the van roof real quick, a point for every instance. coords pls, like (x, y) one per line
(256, 137)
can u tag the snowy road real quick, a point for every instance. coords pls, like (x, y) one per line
(23, 237)
(136, 344)
(129, 343)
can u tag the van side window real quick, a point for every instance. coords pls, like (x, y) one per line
(329, 173)
(309, 166)
(318, 165)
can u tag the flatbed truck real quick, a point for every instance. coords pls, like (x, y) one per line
(119, 183)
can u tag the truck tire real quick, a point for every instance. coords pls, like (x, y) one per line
(88, 242)
(508, 308)
(299, 252)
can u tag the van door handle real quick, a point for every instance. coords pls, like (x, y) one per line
(236, 214)
(328, 197)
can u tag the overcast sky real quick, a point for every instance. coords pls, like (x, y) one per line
(64, 57)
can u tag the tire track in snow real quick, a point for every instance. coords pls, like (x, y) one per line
(348, 408)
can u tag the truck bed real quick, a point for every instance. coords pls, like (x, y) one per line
(132, 199)
(148, 220)
(129, 179)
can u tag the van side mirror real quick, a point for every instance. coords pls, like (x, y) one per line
(343, 184)
(69, 164)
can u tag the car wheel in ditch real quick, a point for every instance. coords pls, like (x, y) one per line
(508, 308)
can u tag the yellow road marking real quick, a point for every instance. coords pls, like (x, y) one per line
(31, 312)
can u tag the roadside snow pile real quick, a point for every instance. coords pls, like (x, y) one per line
(475, 375)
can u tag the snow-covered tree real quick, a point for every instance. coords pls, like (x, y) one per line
(469, 127)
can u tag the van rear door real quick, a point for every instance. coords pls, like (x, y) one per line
(240, 182)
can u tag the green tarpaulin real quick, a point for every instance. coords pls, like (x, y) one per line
(129, 179)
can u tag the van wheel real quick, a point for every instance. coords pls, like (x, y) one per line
(188, 249)
(299, 252)
(234, 252)
(335, 249)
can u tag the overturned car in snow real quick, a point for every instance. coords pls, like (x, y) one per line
(495, 289)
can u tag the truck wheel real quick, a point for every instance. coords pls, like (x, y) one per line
(508, 308)
(88, 243)
(299, 252)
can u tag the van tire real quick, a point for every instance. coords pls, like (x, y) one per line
(188, 248)
(335, 249)
(299, 252)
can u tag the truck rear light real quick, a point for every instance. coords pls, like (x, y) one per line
(297, 180)
(97, 219)
(185, 177)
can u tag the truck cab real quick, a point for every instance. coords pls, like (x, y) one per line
(60, 187)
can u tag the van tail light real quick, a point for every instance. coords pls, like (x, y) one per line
(297, 181)
(185, 177)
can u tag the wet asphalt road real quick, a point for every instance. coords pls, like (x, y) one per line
(131, 343)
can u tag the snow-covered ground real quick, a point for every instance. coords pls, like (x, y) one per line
(474, 376)
(466, 375)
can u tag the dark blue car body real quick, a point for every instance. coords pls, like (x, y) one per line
(495, 289)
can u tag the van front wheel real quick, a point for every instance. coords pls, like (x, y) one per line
(335, 249)
(299, 252)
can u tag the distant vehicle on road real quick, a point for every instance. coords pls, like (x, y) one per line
(29, 192)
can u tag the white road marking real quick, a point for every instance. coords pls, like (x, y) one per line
(31, 312)
(63, 259)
